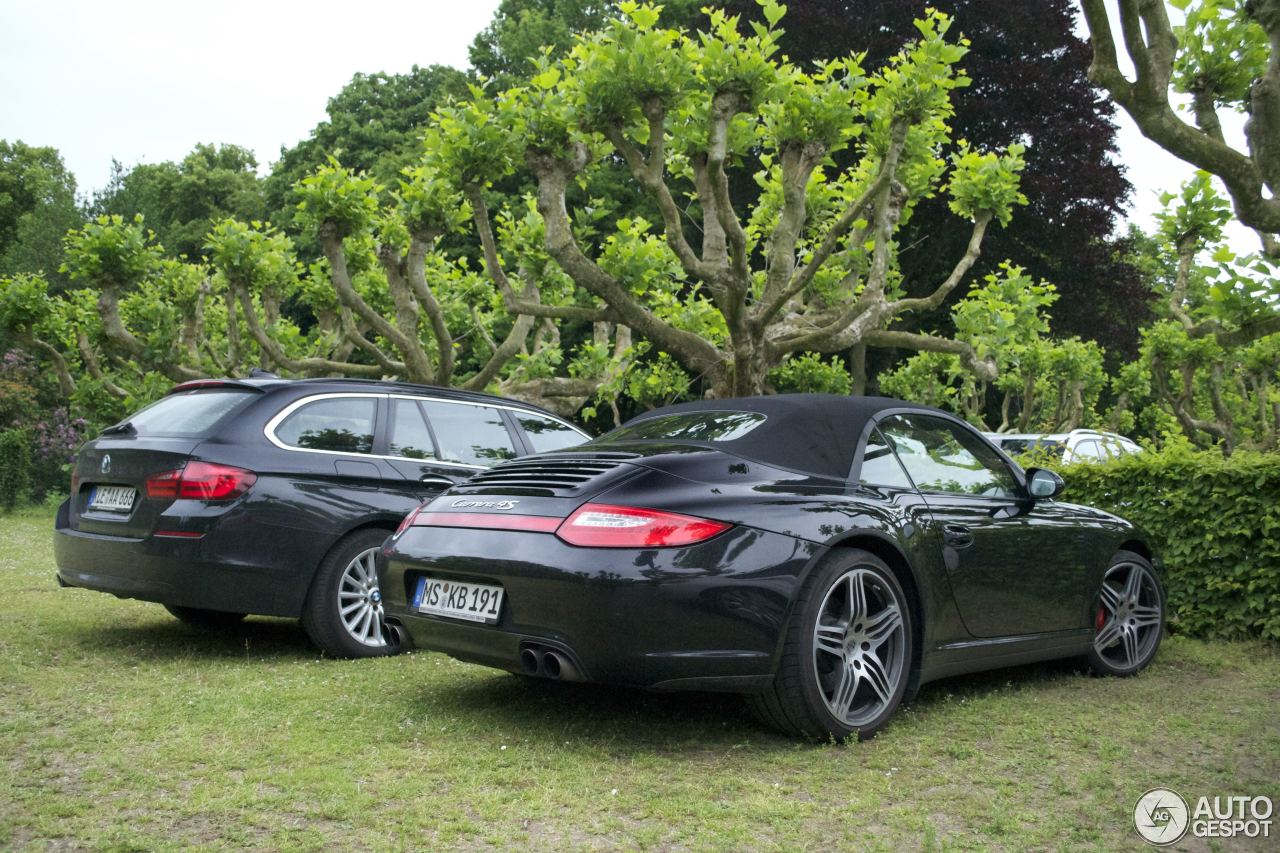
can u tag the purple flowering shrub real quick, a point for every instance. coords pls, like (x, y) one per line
(52, 434)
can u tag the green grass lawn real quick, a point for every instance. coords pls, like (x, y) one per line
(121, 728)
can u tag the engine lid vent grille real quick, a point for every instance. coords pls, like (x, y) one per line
(557, 474)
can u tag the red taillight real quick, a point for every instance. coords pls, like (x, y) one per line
(486, 521)
(202, 481)
(608, 526)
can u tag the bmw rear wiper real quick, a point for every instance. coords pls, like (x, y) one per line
(125, 427)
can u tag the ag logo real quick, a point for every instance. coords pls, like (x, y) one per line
(1161, 816)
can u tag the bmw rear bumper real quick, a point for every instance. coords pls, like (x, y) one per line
(705, 617)
(239, 570)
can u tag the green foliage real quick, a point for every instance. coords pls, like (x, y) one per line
(110, 251)
(336, 196)
(1044, 384)
(181, 201)
(1221, 51)
(810, 373)
(374, 125)
(15, 467)
(1216, 525)
(986, 182)
(37, 207)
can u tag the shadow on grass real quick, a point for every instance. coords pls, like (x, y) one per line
(259, 637)
(625, 721)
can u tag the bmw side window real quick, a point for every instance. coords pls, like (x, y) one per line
(473, 435)
(545, 434)
(343, 425)
(942, 457)
(879, 465)
(409, 436)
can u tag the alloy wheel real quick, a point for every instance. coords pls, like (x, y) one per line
(360, 600)
(859, 645)
(1129, 617)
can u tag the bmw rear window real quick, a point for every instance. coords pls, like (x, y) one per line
(192, 412)
(691, 426)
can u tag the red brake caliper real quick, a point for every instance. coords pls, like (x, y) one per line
(1102, 617)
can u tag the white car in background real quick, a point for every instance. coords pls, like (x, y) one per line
(1079, 445)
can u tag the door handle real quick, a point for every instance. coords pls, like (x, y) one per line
(957, 535)
(435, 482)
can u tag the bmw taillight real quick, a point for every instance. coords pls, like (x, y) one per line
(608, 526)
(202, 481)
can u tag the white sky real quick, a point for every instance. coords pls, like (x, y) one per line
(144, 80)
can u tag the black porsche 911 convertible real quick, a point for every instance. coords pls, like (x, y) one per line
(823, 555)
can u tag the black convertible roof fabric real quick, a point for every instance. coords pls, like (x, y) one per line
(814, 433)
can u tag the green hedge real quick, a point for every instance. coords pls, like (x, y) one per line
(1216, 525)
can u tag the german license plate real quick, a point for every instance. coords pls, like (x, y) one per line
(112, 498)
(474, 602)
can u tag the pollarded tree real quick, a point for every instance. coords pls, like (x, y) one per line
(1225, 56)
(1044, 385)
(1205, 363)
(730, 294)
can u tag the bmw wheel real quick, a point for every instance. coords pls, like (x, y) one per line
(343, 612)
(847, 654)
(1128, 617)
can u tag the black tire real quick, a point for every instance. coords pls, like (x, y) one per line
(1130, 616)
(321, 613)
(797, 703)
(208, 620)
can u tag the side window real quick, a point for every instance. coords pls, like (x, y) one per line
(409, 436)
(943, 457)
(342, 424)
(1088, 451)
(475, 435)
(545, 434)
(879, 466)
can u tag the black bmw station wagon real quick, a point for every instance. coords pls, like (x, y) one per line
(272, 496)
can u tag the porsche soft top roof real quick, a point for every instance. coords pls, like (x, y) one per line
(814, 433)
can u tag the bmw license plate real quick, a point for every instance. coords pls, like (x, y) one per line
(112, 498)
(460, 599)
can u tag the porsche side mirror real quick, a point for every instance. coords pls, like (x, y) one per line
(1043, 483)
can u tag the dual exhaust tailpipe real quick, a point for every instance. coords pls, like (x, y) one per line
(545, 662)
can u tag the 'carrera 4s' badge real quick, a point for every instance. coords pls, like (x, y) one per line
(464, 503)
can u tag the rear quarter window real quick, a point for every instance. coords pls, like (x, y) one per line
(194, 412)
(338, 425)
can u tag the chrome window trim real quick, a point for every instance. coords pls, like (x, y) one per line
(270, 429)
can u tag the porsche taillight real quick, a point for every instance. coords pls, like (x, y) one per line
(590, 526)
(202, 481)
(608, 526)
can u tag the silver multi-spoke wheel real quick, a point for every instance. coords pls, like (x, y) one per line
(1129, 618)
(859, 647)
(360, 601)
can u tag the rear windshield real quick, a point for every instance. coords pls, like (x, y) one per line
(190, 412)
(690, 426)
